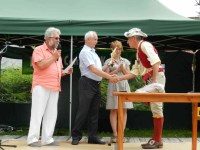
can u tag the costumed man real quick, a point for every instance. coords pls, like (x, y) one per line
(148, 65)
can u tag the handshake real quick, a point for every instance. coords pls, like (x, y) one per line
(114, 78)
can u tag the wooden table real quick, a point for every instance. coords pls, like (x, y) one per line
(193, 98)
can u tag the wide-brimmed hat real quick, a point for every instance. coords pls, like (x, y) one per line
(135, 31)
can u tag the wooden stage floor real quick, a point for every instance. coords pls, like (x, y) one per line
(65, 144)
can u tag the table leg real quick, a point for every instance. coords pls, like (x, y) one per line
(120, 133)
(194, 125)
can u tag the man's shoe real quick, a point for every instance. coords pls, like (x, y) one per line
(52, 144)
(152, 145)
(151, 140)
(75, 140)
(146, 143)
(35, 144)
(95, 140)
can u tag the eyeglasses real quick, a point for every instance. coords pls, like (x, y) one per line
(56, 38)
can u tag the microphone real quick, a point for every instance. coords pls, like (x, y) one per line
(59, 48)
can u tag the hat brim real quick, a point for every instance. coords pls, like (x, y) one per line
(128, 34)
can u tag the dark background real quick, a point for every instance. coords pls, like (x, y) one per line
(177, 115)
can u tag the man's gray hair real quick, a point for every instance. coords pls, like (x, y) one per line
(50, 32)
(90, 34)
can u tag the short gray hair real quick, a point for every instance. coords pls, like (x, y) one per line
(90, 34)
(50, 31)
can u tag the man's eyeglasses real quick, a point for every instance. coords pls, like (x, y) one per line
(56, 38)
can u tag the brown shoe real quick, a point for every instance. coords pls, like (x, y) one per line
(152, 145)
(114, 139)
(146, 143)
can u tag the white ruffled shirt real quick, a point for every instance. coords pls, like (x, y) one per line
(152, 56)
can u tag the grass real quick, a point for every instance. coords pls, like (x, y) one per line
(167, 133)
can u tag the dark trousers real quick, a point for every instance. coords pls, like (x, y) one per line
(89, 100)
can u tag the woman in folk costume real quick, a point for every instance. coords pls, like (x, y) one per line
(148, 65)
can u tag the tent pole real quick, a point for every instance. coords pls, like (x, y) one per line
(0, 66)
(70, 101)
(194, 70)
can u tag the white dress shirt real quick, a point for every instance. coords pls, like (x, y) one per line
(88, 57)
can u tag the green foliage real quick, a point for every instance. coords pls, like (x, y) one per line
(167, 133)
(134, 83)
(15, 87)
(104, 85)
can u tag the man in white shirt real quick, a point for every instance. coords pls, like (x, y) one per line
(89, 90)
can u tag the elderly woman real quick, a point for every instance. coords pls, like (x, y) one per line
(120, 66)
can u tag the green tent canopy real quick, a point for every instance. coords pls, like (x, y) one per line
(107, 17)
(23, 22)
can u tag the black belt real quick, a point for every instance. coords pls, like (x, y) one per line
(91, 80)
